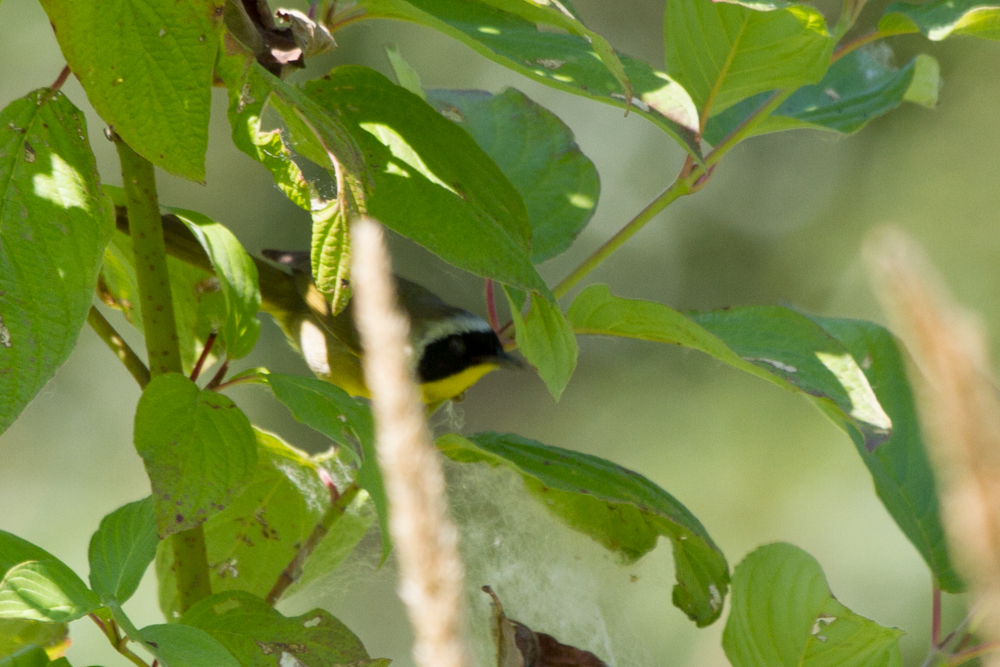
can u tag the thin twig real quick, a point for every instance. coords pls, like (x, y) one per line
(974, 652)
(491, 305)
(207, 350)
(219, 376)
(936, 616)
(104, 329)
(294, 569)
(60, 80)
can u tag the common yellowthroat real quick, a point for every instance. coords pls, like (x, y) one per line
(452, 348)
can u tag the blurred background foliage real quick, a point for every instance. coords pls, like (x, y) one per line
(781, 221)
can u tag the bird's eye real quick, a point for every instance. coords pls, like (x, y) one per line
(457, 346)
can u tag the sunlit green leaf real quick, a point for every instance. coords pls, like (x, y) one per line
(253, 540)
(237, 276)
(539, 155)
(147, 69)
(771, 342)
(619, 508)
(545, 338)
(784, 615)
(723, 52)
(257, 634)
(121, 550)
(942, 18)
(857, 88)
(177, 645)
(37, 586)
(54, 224)
(904, 480)
(198, 448)
(432, 183)
(564, 61)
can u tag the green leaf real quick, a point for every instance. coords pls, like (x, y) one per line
(857, 88)
(198, 448)
(147, 70)
(37, 586)
(16, 634)
(237, 276)
(724, 52)
(539, 155)
(619, 508)
(54, 224)
(121, 550)
(342, 418)
(564, 61)
(904, 479)
(557, 15)
(406, 76)
(942, 18)
(30, 656)
(771, 342)
(199, 306)
(432, 183)
(545, 338)
(253, 540)
(258, 635)
(177, 645)
(783, 614)
(316, 135)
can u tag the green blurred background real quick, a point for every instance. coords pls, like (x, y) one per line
(781, 221)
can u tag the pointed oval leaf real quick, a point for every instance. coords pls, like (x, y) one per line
(177, 645)
(784, 615)
(619, 508)
(771, 342)
(432, 183)
(198, 448)
(723, 52)
(539, 155)
(942, 18)
(257, 634)
(904, 479)
(564, 61)
(237, 275)
(121, 550)
(545, 338)
(147, 70)
(253, 540)
(35, 585)
(54, 225)
(858, 88)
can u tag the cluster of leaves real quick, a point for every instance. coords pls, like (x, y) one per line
(493, 184)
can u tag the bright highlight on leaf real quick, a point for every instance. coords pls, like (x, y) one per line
(940, 19)
(37, 586)
(784, 615)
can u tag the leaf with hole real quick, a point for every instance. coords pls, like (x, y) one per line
(54, 225)
(784, 615)
(539, 155)
(621, 509)
(147, 70)
(258, 635)
(198, 448)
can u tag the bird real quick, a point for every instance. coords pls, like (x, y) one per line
(452, 348)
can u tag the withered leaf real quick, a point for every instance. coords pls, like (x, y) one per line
(520, 646)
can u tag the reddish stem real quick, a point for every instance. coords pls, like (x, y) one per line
(491, 305)
(60, 80)
(209, 342)
(936, 617)
(219, 376)
(974, 652)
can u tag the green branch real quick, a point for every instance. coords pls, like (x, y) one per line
(160, 326)
(122, 350)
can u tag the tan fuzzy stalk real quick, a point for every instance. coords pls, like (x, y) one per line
(426, 541)
(961, 406)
